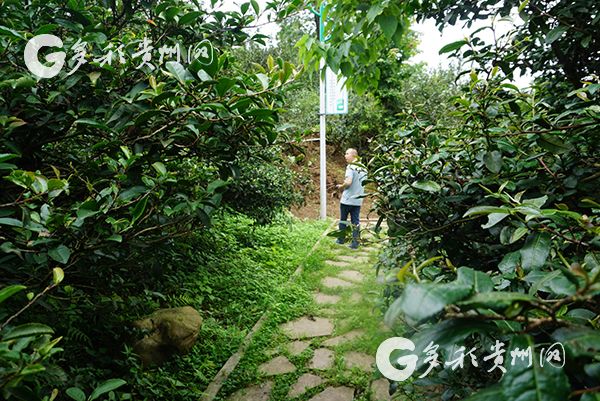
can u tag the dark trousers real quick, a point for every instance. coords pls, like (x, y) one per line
(354, 212)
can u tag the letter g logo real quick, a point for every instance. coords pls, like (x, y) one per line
(31, 56)
(383, 358)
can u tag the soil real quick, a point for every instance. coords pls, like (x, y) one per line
(336, 167)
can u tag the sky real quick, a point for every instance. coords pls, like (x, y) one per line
(432, 40)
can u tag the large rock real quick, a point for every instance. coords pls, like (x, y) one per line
(170, 331)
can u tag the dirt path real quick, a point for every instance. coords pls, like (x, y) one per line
(326, 352)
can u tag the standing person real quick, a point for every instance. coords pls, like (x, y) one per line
(352, 196)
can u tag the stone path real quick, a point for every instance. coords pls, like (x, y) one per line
(326, 349)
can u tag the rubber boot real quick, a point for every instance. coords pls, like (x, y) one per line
(341, 240)
(355, 237)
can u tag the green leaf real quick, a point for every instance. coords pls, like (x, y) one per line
(190, 17)
(493, 161)
(534, 383)
(32, 369)
(7, 221)
(578, 341)
(76, 394)
(138, 209)
(523, 5)
(535, 251)
(60, 254)
(109, 385)
(7, 156)
(217, 184)
(476, 280)
(115, 237)
(553, 144)
(27, 330)
(555, 34)
(160, 168)
(453, 46)
(388, 25)
(179, 72)
(255, 6)
(4, 31)
(264, 80)
(518, 234)
(421, 301)
(92, 123)
(57, 275)
(536, 202)
(374, 11)
(551, 282)
(426, 185)
(485, 210)
(450, 334)
(493, 219)
(9, 291)
(496, 300)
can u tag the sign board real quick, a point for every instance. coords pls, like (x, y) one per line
(336, 95)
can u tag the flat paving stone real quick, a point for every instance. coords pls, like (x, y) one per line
(337, 263)
(344, 338)
(335, 394)
(352, 275)
(381, 390)
(259, 392)
(277, 366)
(359, 360)
(324, 299)
(371, 249)
(334, 282)
(297, 347)
(304, 383)
(308, 327)
(322, 359)
(355, 297)
(353, 258)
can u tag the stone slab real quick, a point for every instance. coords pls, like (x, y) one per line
(304, 383)
(351, 275)
(337, 263)
(381, 390)
(359, 360)
(277, 366)
(324, 299)
(335, 394)
(259, 392)
(308, 327)
(353, 258)
(355, 297)
(322, 359)
(334, 282)
(297, 347)
(344, 338)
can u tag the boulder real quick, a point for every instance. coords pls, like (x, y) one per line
(170, 331)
